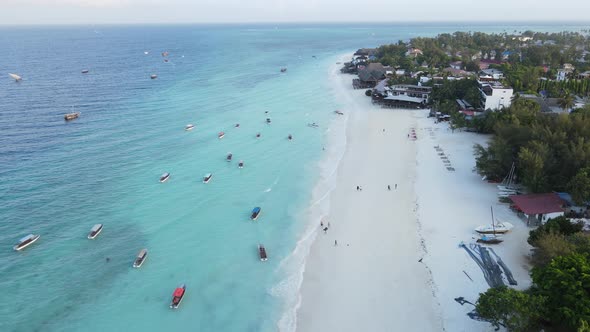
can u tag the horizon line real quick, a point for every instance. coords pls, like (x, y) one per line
(409, 22)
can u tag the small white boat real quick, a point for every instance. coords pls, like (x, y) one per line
(189, 127)
(146, 52)
(96, 229)
(220, 135)
(153, 76)
(140, 258)
(258, 135)
(26, 241)
(85, 71)
(499, 228)
(290, 137)
(268, 120)
(164, 177)
(241, 164)
(207, 177)
(15, 77)
(237, 125)
(229, 156)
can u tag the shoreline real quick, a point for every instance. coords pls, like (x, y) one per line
(397, 262)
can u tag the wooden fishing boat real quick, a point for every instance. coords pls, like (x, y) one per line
(96, 229)
(255, 213)
(177, 296)
(141, 257)
(72, 116)
(26, 241)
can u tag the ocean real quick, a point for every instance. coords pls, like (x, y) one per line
(58, 178)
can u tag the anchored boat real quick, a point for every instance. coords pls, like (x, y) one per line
(26, 241)
(241, 164)
(72, 116)
(96, 229)
(290, 137)
(15, 77)
(220, 135)
(140, 258)
(177, 296)
(189, 127)
(229, 156)
(207, 177)
(153, 76)
(262, 253)
(255, 213)
(164, 177)
(268, 120)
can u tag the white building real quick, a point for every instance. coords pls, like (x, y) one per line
(409, 93)
(492, 73)
(494, 95)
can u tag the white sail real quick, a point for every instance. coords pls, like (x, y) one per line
(15, 76)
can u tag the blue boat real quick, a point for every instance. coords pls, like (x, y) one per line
(255, 213)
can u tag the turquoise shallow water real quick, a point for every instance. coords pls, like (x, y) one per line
(57, 179)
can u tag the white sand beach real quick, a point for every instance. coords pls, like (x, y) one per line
(397, 265)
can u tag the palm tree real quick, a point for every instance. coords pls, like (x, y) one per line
(567, 101)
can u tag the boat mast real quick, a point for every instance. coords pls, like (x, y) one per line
(493, 224)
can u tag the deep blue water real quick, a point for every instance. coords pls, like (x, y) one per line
(57, 179)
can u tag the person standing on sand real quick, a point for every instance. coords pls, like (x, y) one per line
(322, 224)
(388, 187)
(396, 186)
(335, 243)
(357, 188)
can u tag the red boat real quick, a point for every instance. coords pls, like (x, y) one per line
(177, 296)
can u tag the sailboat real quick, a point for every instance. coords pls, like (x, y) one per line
(508, 187)
(491, 237)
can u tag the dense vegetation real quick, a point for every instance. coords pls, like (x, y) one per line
(559, 299)
(551, 152)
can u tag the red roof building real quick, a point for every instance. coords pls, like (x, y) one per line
(534, 204)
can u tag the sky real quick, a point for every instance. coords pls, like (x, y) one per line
(15, 12)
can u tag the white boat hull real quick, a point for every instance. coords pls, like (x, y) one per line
(17, 248)
(92, 237)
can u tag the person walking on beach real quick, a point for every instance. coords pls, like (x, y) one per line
(357, 188)
(396, 186)
(335, 243)
(328, 224)
(388, 187)
(322, 224)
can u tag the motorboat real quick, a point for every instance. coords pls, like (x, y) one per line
(290, 137)
(189, 127)
(237, 125)
(255, 213)
(338, 112)
(26, 241)
(71, 116)
(313, 125)
(165, 53)
(490, 239)
(262, 253)
(207, 177)
(283, 70)
(94, 231)
(141, 256)
(258, 135)
(85, 71)
(146, 52)
(153, 76)
(220, 135)
(164, 177)
(499, 228)
(241, 164)
(15, 77)
(165, 60)
(229, 156)
(268, 120)
(177, 296)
